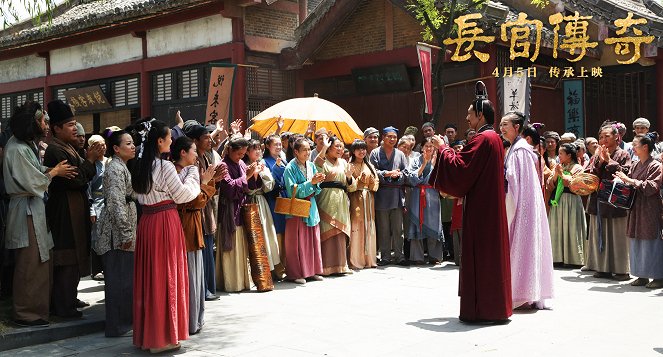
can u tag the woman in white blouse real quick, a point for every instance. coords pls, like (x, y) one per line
(161, 281)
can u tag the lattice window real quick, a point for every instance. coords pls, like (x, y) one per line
(255, 106)
(21, 98)
(163, 87)
(189, 83)
(125, 92)
(39, 98)
(60, 93)
(6, 110)
(269, 82)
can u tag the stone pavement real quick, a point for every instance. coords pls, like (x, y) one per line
(412, 311)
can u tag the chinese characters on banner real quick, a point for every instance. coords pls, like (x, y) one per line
(516, 94)
(570, 34)
(219, 95)
(424, 54)
(87, 99)
(574, 115)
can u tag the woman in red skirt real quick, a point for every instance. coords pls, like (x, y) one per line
(302, 235)
(161, 284)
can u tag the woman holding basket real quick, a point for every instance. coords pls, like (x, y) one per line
(302, 244)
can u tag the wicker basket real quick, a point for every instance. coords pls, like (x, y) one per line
(293, 206)
(584, 184)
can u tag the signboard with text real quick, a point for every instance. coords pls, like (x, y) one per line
(88, 99)
(574, 101)
(219, 95)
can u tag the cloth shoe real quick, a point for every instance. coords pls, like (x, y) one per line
(601, 275)
(34, 323)
(622, 277)
(640, 282)
(211, 297)
(655, 284)
(169, 347)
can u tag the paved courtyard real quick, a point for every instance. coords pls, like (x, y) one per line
(397, 311)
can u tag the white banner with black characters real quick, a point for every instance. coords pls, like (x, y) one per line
(515, 93)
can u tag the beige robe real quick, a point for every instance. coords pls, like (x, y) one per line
(362, 218)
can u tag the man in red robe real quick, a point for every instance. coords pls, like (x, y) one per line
(477, 173)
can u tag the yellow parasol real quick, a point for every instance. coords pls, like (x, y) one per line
(297, 113)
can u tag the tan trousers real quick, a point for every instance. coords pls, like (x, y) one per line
(32, 281)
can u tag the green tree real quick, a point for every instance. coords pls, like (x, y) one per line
(11, 10)
(437, 19)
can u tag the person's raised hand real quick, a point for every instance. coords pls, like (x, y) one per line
(317, 178)
(605, 154)
(221, 171)
(236, 126)
(327, 141)
(311, 128)
(95, 152)
(251, 169)
(438, 141)
(178, 119)
(279, 123)
(208, 175)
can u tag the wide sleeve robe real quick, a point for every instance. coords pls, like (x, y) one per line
(529, 232)
(477, 173)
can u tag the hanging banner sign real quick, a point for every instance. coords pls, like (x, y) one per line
(219, 96)
(574, 114)
(516, 94)
(425, 63)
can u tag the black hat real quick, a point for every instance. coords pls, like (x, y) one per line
(59, 112)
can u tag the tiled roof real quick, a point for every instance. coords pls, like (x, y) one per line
(85, 14)
(610, 10)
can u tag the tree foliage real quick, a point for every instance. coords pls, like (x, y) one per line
(437, 20)
(11, 10)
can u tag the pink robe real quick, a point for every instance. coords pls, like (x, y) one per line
(529, 233)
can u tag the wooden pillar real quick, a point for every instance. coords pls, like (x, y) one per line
(48, 91)
(239, 57)
(145, 80)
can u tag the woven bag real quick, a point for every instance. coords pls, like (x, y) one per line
(293, 206)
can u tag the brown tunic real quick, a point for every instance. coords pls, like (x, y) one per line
(619, 161)
(68, 208)
(191, 215)
(644, 219)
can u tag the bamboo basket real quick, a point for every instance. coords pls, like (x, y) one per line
(293, 206)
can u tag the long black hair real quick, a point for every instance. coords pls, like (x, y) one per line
(182, 143)
(24, 123)
(148, 133)
(268, 141)
(531, 132)
(358, 145)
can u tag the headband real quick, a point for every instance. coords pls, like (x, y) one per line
(147, 126)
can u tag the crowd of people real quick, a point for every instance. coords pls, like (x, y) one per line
(159, 211)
